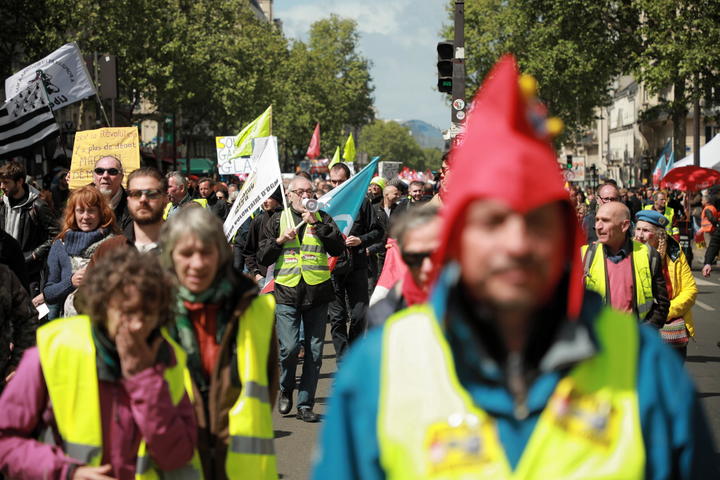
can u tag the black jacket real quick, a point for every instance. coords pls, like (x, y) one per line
(11, 255)
(18, 321)
(369, 230)
(713, 247)
(37, 229)
(122, 214)
(252, 243)
(303, 295)
(218, 207)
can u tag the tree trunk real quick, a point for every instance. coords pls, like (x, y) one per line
(679, 118)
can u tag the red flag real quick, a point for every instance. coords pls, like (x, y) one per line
(313, 150)
(393, 271)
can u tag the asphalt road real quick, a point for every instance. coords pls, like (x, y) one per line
(295, 440)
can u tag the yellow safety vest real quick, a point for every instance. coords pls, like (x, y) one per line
(307, 260)
(68, 361)
(669, 214)
(597, 281)
(201, 201)
(251, 452)
(430, 428)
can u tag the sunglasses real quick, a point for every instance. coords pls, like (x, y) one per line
(111, 171)
(415, 259)
(151, 194)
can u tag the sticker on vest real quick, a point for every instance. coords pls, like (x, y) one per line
(458, 444)
(588, 416)
(290, 260)
(308, 257)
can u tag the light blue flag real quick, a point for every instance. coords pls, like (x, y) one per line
(670, 163)
(343, 203)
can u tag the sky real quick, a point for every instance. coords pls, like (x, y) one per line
(399, 37)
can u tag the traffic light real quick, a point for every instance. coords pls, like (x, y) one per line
(446, 54)
(569, 161)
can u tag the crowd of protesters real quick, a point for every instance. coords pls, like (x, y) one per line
(475, 321)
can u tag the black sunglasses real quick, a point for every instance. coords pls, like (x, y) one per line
(151, 194)
(111, 171)
(415, 259)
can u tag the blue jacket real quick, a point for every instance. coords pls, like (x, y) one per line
(678, 442)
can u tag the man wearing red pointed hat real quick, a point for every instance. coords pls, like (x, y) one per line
(512, 369)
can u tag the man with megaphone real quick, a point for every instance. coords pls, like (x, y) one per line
(298, 241)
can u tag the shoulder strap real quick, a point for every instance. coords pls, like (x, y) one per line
(589, 255)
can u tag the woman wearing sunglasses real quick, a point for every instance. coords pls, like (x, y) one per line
(88, 221)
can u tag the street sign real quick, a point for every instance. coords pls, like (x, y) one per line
(458, 104)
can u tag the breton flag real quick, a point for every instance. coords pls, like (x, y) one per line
(26, 120)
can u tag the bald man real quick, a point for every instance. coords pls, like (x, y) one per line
(606, 193)
(627, 274)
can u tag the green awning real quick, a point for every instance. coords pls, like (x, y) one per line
(197, 165)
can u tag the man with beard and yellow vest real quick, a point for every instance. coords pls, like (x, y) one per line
(627, 274)
(105, 390)
(512, 370)
(298, 243)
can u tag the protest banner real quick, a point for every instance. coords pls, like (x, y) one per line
(260, 184)
(91, 145)
(227, 163)
(64, 75)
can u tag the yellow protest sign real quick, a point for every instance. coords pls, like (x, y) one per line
(91, 145)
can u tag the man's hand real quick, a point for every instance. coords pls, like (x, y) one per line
(92, 473)
(286, 237)
(352, 241)
(38, 300)
(134, 352)
(706, 270)
(309, 218)
(258, 277)
(78, 276)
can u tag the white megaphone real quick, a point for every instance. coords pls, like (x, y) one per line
(312, 206)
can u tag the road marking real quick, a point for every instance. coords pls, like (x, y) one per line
(704, 306)
(704, 283)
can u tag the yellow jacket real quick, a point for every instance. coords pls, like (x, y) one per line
(684, 289)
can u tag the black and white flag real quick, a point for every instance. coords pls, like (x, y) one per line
(26, 120)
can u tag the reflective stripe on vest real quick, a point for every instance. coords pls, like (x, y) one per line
(596, 275)
(251, 453)
(705, 224)
(68, 360)
(200, 201)
(589, 429)
(308, 260)
(669, 214)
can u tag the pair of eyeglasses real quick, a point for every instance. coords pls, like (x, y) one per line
(415, 259)
(609, 199)
(111, 171)
(299, 192)
(153, 194)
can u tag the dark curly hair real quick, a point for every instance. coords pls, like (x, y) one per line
(120, 269)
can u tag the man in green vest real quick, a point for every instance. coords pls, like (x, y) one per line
(178, 194)
(627, 274)
(660, 205)
(297, 243)
(512, 370)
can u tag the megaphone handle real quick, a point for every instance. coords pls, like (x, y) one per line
(297, 227)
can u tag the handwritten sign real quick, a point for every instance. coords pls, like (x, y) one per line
(92, 145)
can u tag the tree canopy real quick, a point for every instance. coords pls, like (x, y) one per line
(393, 142)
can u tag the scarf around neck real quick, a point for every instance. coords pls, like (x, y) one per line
(77, 241)
(217, 295)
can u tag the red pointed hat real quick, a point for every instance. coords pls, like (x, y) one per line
(503, 157)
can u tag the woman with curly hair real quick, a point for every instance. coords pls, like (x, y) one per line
(682, 290)
(88, 221)
(105, 389)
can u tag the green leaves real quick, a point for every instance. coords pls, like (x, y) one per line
(393, 142)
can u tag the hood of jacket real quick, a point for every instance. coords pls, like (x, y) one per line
(33, 194)
(505, 158)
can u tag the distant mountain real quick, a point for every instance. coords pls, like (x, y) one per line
(426, 135)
